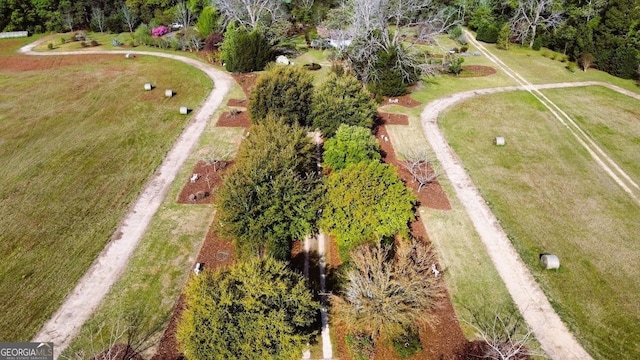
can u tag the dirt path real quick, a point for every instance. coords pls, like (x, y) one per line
(106, 269)
(554, 337)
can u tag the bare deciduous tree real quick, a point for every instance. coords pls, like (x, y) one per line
(418, 163)
(97, 15)
(130, 18)
(183, 15)
(378, 26)
(504, 333)
(121, 339)
(529, 15)
(385, 292)
(218, 158)
(251, 13)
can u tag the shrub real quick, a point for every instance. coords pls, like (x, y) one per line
(207, 21)
(213, 41)
(337, 69)
(143, 35)
(455, 66)
(504, 37)
(407, 344)
(464, 49)
(455, 32)
(116, 43)
(244, 51)
(94, 43)
(487, 33)
(62, 41)
(360, 345)
(571, 66)
(50, 46)
(537, 44)
(159, 31)
(84, 44)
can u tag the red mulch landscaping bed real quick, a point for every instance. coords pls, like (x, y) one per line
(237, 102)
(393, 119)
(229, 119)
(476, 71)
(246, 81)
(208, 180)
(431, 196)
(404, 100)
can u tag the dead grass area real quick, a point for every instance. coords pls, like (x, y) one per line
(234, 119)
(18, 63)
(202, 189)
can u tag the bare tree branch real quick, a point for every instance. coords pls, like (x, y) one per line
(419, 165)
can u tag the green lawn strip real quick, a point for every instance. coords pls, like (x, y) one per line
(161, 264)
(472, 281)
(78, 143)
(610, 118)
(550, 196)
(539, 69)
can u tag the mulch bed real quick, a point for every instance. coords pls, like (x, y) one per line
(476, 71)
(229, 119)
(246, 81)
(431, 195)
(208, 180)
(237, 102)
(404, 100)
(393, 119)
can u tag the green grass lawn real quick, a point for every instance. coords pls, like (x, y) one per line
(612, 119)
(550, 196)
(77, 143)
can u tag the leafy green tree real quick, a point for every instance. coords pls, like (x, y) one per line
(244, 51)
(259, 309)
(207, 21)
(342, 100)
(351, 145)
(271, 196)
(364, 203)
(283, 92)
(388, 290)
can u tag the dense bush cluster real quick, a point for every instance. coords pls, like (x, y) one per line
(244, 50)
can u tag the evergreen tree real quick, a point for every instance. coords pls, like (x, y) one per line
(258, 309)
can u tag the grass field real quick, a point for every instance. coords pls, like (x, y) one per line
(76, 145)
(550, 196)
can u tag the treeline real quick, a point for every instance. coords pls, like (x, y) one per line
(602, 33)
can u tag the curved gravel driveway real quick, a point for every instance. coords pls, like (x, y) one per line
(106, 269)
(550, 331)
